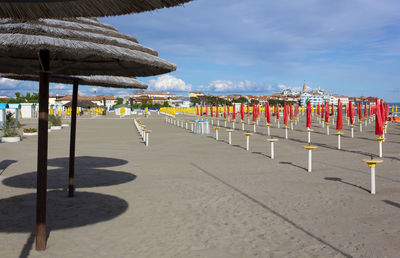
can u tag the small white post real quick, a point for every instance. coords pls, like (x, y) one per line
(217, 122)
(372, 163)
(254, 127)
(229, 136)
(286, 136)
(191, 126)
(233, 124)
(338, 141)
(309, 137)
(327, 128)
(242, 125)
(352, 131)
(272, 141)
(380, 149)
(225, 123)
(186, 125)
(216, 133)
(309, 160)
(247, 141)
(279, 126)
(372, 179)
(212, 121)
(360, 126)
(291, 125)
(268, 131)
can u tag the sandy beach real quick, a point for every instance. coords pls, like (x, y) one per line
(188, 195)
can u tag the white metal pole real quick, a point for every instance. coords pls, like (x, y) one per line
(352, 132)
(233, 124)
(327, 129)
(147, 139)
(272, 150)
(380, 149)
(338, 141)
(286, 133)
(309, 160)
(247, 143)
(360, 127)
(254, 127)
(309, 137)
(242, 126)
(268, 132)
(372, 179)
(216, 135)
(230, 137)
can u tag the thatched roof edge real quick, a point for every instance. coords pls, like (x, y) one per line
(18, 9)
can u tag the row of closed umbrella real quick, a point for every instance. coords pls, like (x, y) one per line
(34, 48)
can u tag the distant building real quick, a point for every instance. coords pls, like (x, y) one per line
(196, 94)
(100, 100)
(335, 98)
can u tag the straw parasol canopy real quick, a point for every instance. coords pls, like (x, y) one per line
(34, 9)
(94, 80)
(82, 103)
(77, 47)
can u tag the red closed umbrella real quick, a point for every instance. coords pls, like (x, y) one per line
(234, 112)
(284, 113)
(291, 112)
(378, 119)
(351, 112)
(216, 111)
(359, 109)
(339, 119)
(267, 115)
(308, 114)
(242, 111)
(201, 110)
(225, 111)
(206, 110)
(248, 110)
(254, 111)
(212, 111)
(326, 112)
(228, 109)
(197, 110)
(365, 110)
(277, 111)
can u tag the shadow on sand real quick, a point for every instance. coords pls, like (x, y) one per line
(5, 164)
(88, 173)
(338, 179)
(18, 213)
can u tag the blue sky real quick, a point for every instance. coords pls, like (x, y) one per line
(258, 46)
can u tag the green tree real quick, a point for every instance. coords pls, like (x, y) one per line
(119, 101)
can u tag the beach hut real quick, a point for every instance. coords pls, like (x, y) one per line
(3, 108)
(122, 110)
(28, 110)
(14, 109)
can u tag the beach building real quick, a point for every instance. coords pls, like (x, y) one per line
(314, 98)
(99, 100)
(122, 110)
(3, 107)
(334, 98)
(28, 110)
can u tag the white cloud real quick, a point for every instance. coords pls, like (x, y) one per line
(8, 82)
(169, 83)
(235, 86)
(59, 86)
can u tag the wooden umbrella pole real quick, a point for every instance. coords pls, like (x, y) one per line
(72, 140)
(41, 189)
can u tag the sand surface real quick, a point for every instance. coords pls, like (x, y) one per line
(188, 195)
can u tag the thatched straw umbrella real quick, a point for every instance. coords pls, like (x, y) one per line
(75, 47)
(19, 9)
